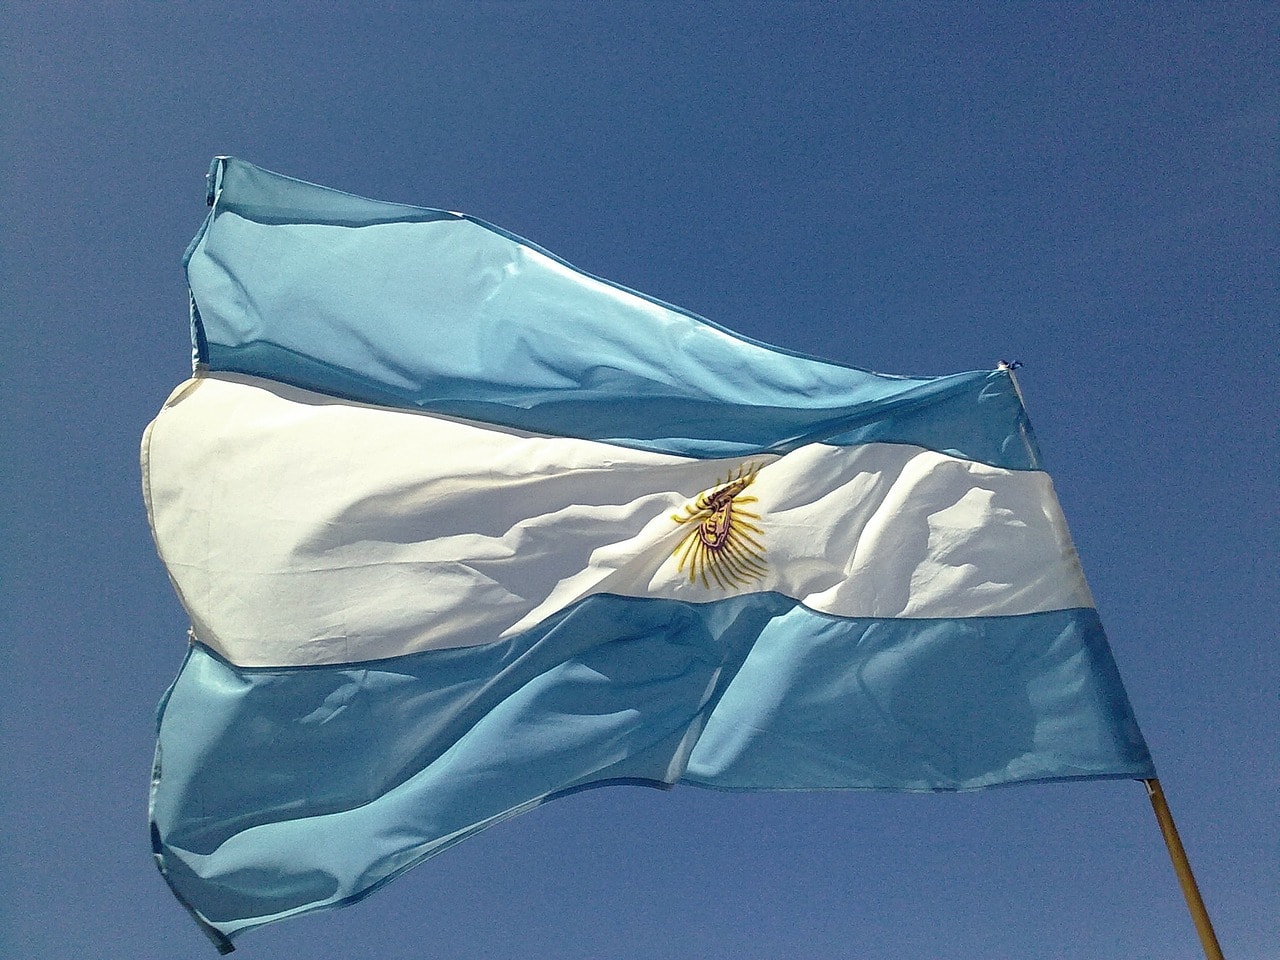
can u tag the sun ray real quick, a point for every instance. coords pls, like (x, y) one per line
(724, 545)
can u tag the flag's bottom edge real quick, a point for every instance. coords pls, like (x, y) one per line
(223, 941)
(1138, 773)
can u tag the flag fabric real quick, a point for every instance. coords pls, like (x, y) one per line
(461, 529)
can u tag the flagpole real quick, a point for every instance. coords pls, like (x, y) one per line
(1181, 866)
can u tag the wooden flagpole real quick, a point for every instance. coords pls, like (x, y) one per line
(1199, 915)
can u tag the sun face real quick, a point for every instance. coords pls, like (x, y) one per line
(724, 547)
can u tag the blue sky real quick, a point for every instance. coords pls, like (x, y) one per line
(915, 188)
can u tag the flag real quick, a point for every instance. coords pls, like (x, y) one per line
(461, 529)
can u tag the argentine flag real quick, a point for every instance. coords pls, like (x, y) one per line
(461, 529)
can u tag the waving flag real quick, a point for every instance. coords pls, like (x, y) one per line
(461, 529)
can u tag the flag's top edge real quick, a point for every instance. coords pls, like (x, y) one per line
(232, 180)
(438, 311)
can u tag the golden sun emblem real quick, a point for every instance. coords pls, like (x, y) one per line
(724, 545)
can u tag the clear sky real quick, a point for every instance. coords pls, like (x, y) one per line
(908, 188)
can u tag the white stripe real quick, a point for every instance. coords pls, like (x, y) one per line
(301, 529)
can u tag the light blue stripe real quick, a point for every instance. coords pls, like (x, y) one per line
(280, 791)
(411, 307)
(932, 705)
